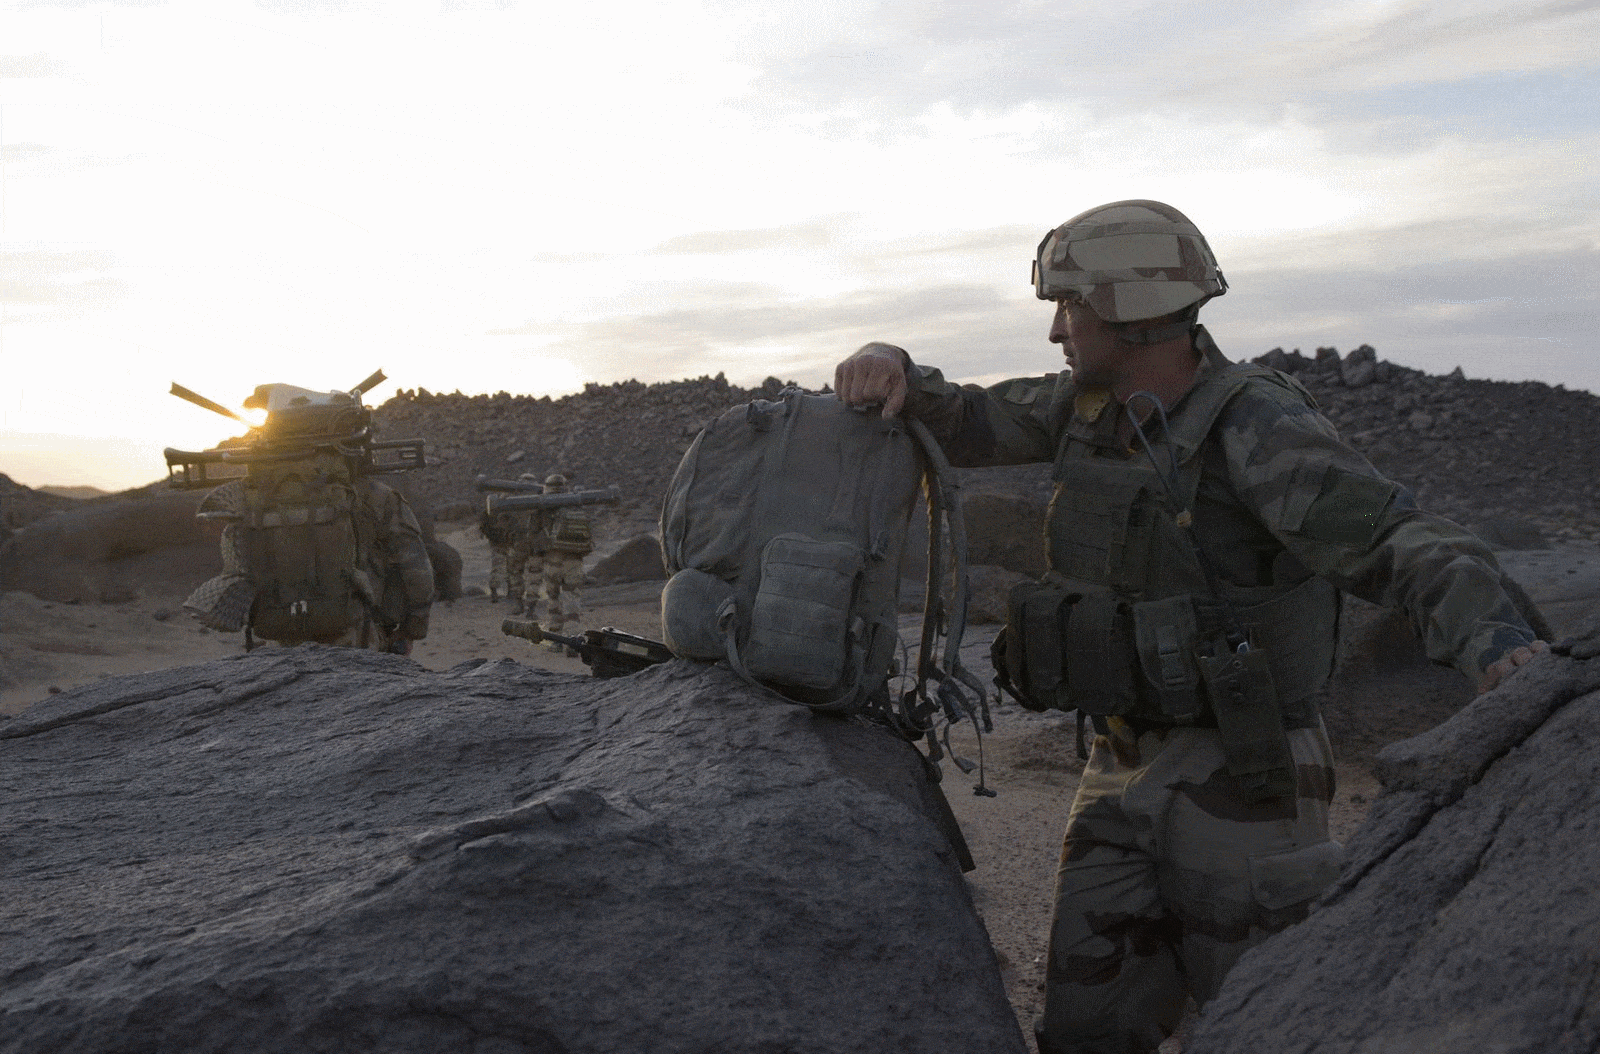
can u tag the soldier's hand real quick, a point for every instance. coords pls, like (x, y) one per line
(875, 374)
(1500, 670)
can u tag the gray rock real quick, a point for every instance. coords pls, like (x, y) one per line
(1357, 373)
(636, 560)
(1469, 913)
(319, 849)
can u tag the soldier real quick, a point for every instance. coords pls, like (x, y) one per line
(568, 539)
(496, 529)
(313, 548)
(1205, 516)
(392, 598)
(525, 554)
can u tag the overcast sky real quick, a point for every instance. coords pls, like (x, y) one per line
(498, 194)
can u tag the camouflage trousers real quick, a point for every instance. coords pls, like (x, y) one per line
(563, 577)
(523, 562)
(497, 569)
(1167, 876)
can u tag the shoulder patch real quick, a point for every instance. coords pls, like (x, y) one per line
(1349, 508)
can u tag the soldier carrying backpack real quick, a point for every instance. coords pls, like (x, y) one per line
(313, 548)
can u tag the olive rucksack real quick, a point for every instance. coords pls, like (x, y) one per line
(783, 530)
(302, 545)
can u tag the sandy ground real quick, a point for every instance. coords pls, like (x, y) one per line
(1030, 759)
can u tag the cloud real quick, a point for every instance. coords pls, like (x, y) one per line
(817, 234)
(1534, 315)
(870, 68)
(22, 151)
(751, 330)
(57, 280)
(38, 64)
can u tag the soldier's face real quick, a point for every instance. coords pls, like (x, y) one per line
(1089, 345)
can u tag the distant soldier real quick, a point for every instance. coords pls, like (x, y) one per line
(569, 537)
(525, 553)
(313, 549)
(496, 529)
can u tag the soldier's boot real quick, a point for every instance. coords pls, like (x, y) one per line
(494, 597)
(516, 606)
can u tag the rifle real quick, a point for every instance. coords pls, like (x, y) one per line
(607, 652)
(497, 503)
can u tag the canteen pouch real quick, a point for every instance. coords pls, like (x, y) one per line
(690, 603)
(1245, 702)
(800, 631)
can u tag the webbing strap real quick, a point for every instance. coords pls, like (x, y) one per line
(730, 639)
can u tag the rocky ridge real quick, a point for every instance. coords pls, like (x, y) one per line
(1486, 453)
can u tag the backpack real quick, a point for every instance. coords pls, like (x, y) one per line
(302, 547)
(783, 530)
(571, 531)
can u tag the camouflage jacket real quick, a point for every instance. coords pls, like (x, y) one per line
(399, 560)
(1279, 495)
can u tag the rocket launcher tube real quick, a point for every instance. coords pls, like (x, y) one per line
(201, 401)
(498, 503)
(514, 486)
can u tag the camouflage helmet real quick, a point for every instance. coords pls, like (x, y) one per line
(527, 477)
(1128, 261)
(555, 481)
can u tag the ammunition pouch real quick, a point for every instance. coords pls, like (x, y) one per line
(1072, 645)
(1067, 646)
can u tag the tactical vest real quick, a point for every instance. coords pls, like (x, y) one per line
(1126, 623)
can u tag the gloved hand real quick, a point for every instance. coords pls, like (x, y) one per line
(400, 646)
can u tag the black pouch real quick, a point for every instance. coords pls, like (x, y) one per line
(1240, 687)
(1067, 646)
(1102, 663)
(1028, 653)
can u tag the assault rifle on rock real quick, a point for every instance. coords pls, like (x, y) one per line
(607, 652)
(299, 424)
(497, 503)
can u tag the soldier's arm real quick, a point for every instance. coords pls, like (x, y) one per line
(1333, 511)
(405, 551)
(1010, 423)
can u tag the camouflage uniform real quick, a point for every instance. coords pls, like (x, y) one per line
(525, 559)
(1169, 869)
(497, 531)
(394, 568)
(563, 577)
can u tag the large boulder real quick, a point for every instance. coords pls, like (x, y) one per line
(328, 849)
(636, 560)
(145, 543)
(1468, 915)
(114, 550)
